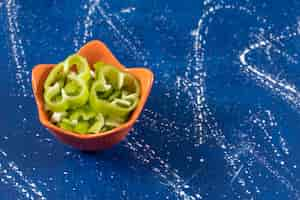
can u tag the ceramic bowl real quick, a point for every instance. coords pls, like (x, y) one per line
(93, 51)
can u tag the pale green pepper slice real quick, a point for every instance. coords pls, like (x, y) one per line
(104, 106)
(97, 126)
(66, 124)
(109, 75)
(84, 113)
(54, 99)
(56, 117)
(56, 75)
(82, 127)
(52, 90)
(78, 65)
(112, 81)
(82, 120)
(75, 91)
(115, 95)
(111, 123)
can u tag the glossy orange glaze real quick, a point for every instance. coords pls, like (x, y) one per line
(93, 51)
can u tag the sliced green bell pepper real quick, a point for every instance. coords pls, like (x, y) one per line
(55, 101)
(78, 65)
(83, 104)
(114, 106)
(76, 91)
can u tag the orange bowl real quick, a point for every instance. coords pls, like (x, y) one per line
(93, 51)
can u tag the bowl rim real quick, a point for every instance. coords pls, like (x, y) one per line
(138, 72)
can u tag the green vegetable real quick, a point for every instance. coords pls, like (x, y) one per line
(80, 102)
(97, 125)
(66, 124)
(55, 76)
(110, 79)
(77, 65)
(77, 92)
(84, 113)
(81, 127)
(54, 99)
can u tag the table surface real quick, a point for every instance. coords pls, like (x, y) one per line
(222, 120)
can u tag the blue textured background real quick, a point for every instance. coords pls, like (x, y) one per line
(214, 126)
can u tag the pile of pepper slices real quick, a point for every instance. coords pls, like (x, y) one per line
(89, 100)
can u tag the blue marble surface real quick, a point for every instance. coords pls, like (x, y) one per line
(222, 121)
